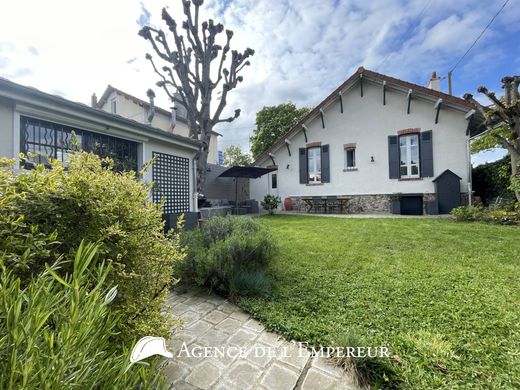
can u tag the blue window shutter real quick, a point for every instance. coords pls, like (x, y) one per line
(325, 164)
(426, 150)
(303, 166)
(393, 156)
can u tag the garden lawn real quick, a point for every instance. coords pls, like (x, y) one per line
(443, 296)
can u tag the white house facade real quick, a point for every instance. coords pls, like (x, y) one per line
(374, 139)
(43, 125)
(121, 103)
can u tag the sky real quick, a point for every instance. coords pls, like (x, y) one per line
(303, 48)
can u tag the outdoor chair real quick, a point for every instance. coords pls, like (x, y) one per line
(318, 204)
(332, 204)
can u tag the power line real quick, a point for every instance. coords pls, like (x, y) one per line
(480, 36)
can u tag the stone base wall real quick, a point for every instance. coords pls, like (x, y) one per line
(372, 204)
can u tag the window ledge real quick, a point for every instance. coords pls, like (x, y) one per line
(349, 169)
(410, 179)
(314, 184)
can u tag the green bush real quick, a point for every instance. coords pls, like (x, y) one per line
(55, 332)
(507, 215)
(271, 203)
(45, 213)
(228, 254)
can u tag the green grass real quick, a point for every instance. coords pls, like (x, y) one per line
(443, 296)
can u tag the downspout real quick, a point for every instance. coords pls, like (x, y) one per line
(195, 192)
(470, 173)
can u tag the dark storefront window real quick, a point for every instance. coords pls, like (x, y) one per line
(46, 140)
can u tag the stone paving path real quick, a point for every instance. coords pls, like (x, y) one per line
(240, 353)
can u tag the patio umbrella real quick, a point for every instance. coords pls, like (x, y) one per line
(245, 172)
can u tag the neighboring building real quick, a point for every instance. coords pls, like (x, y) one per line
(32, 121)
(376, 139)
(121, 103)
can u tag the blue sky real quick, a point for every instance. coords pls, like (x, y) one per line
(304, 48)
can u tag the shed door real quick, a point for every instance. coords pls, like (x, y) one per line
(411, 205)
(171, 177)
(448, 194)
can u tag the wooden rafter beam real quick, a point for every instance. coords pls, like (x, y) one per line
(272, 158)
(304, 128)
(438, 105)
(322, 115)
(384, 93)
(409, 100)
(287, 143)
(341, 102)
(361, 83)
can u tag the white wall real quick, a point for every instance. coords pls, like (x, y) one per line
(6, 129)
(132, 110)
(368, 123)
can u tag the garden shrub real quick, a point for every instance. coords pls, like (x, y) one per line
(56, 331)
(503, 215)
(45, 213)
(271, 203)
(228, 254)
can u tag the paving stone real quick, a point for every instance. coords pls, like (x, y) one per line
(243, 374)
(254, 325)
(231, 353)
(175, 371)
(242, 338)
(270, 339)
(326, 365)
(292, 354)
(179, 309)
(317, 379)
(178, 339)
(261, 354)
(225, 385)
(213, 338)
(189, 317)
(198, 328)
(203, 375)
(278, 377)
(215, 316)
(203, 308)
(193, 301)
(181, 385)
(191, 355)
(229, 325)
(240, 315)
(227, 307)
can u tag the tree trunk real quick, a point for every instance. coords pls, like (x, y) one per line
(515, 171)
(202, 160)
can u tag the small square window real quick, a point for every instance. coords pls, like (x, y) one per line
(350, 158)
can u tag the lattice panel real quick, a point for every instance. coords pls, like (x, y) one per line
(171, 175)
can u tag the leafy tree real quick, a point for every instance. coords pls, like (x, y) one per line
(503, 125)
(233, 156)
(192, 77)
(272, 123)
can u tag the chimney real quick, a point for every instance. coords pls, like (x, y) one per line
(151, 113)
(173, 119)
(435, 82)
(93, 100)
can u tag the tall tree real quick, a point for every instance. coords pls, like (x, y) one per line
(503, 125)
(196, 66)
(272, 123)
(233, 156)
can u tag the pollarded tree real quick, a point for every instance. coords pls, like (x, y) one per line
(503, 124)
(198, 69)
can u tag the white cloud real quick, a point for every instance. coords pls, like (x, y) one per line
(304, 48)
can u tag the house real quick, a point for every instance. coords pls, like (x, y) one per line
(376, 139)
(175, 121)
(32, 121)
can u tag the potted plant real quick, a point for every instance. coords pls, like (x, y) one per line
(271, 203)
(395, 203)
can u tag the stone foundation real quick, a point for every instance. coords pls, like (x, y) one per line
(372, 204)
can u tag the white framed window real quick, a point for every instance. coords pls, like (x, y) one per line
(350, 158)
(409, 156)
(274, 181)
(113, 106)
(314, 164)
